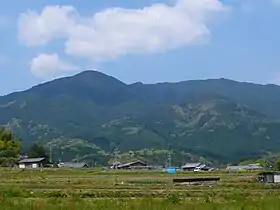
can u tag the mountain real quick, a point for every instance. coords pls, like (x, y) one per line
(88, 115)
(262, 98)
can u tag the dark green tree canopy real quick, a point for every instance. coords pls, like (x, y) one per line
(9, 144)
(36, 151)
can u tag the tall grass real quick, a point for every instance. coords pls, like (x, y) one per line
(133, 204)
(144, 190)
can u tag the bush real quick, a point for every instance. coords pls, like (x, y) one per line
(57, 194)
(173, 198)
(13, 192)
(8, 162)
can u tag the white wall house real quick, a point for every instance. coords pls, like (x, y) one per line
(269, 177)
(32, 163)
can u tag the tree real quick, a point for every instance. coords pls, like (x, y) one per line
(9, 148)
(278, 165)
(36, 151)
(9, 144)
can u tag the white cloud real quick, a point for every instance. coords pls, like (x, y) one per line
(49, 65)
(115, 32)
(53, 22)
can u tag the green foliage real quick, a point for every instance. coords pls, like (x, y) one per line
(65, 149)
(278, 165)
(8, 161)
(173, 198)
(36, 151)
(9, 144)
(159, 157)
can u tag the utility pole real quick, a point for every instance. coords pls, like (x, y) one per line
(116, 155)
(169, 159)
(50, 151)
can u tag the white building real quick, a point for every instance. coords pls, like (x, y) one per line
(32, 163)
(269, 177)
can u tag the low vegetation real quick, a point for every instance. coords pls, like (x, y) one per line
(97, 189)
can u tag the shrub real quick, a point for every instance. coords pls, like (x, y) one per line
(173, 198)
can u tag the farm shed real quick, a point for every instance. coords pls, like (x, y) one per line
(269, 177)
(33, 163)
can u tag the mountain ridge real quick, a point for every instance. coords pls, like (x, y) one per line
(89, 71)
(217, 119)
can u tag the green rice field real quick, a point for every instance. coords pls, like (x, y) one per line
(57, 189)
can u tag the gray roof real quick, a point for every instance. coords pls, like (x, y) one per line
(116, 163)
(202, 166)
(245, 167)
(236, 168)
(254, 166)
(32, 160)
(191, 165)
(73, 165)
(269, 173)
(131, 163)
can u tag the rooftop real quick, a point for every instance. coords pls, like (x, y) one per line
(191, 165)
(269, 173)
(32, 160)
(244, 167)
(73, 165)
(131, 163)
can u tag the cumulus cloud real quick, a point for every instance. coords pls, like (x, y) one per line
(50, 65)
(115, 32)
(53, 22)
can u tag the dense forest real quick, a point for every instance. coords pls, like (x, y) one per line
(89, 116)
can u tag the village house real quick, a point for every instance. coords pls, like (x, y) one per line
(133, 165)
(33, 163)
(190, 166)
(195, 167)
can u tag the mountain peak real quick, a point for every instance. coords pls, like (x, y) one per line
(94, 75)
(87, 85)
(90, 72)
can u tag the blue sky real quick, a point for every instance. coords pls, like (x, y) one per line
(148, 40)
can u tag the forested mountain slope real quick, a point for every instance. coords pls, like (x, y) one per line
(91, 114)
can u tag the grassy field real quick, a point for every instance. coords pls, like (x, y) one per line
(95, 189)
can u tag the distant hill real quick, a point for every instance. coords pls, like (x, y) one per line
(89, 115)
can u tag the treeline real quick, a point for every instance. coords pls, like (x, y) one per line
(9, 147)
